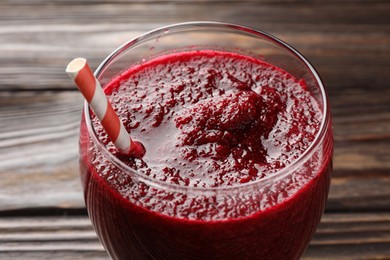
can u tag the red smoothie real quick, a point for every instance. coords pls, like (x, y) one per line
(222, 133)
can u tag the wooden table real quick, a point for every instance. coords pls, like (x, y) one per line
(42, 213)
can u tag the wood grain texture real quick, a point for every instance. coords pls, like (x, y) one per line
(328, 33)
(38, 149)
(348, 41)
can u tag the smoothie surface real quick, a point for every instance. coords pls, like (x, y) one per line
(213, 119)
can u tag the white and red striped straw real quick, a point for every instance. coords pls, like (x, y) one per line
(79, 70)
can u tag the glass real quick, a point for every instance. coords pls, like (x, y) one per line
(276, 228)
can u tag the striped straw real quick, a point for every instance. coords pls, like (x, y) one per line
(79, 70)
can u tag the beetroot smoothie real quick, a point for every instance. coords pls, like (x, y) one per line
(219, 129)
(238, 145)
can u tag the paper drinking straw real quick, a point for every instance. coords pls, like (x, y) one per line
(79, 70)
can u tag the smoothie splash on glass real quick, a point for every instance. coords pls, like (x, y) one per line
(238, 140)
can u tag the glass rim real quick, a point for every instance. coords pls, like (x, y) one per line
(178, 27)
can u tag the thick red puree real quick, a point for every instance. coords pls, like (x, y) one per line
(208, 119)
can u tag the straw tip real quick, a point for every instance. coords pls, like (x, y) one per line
(75, 66)
(137, 149)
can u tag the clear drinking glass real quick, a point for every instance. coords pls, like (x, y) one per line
(278, 227)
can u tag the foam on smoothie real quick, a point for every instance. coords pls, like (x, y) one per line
(213, 119)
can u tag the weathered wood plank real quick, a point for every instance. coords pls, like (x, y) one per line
(344, 236)
(351, 236)
(42, 66)
(38, 150)
(141, 12)
(38, 39)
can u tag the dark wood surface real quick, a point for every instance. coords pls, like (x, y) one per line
(42, 214)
